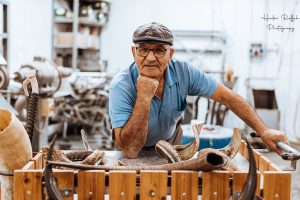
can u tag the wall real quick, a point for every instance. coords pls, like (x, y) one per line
(243, 23)
(30, 31)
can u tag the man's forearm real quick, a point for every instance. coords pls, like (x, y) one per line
(243, 110)
(134, 134)
(240, 107)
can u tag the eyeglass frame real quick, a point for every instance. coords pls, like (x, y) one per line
(149, 50)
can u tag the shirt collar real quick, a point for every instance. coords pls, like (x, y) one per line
(170, 75)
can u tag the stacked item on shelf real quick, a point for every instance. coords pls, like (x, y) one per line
(77, 31)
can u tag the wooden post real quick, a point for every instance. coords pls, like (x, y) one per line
(38, 161)
(215, 185)
(263, 164)
(277, 185)
(257, 156)
(65, 182)
(28, 184)
(122, 185)
(29, 165)
(153, 185)
(184, 185)
(91, 184)
(239, 179)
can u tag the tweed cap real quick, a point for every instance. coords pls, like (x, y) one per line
(153, 33)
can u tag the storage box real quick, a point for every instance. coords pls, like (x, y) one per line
(95, 184)
(65, 40)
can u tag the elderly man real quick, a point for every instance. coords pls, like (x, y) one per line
(147, 100)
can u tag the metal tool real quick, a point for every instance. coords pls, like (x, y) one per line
(34, 98)
(289, 152)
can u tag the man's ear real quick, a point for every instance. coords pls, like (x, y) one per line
(133, 50)
(171, 52)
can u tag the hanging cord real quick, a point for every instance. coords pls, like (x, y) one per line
(5, 173)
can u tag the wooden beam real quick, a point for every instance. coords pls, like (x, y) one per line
(184, 185)
(122, 185)
(153, 185)
(91, 184)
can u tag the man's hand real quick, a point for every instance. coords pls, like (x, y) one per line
(146, 87)
(270, 137)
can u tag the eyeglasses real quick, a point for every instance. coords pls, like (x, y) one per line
(159, 52)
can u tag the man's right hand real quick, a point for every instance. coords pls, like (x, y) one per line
(146, 87)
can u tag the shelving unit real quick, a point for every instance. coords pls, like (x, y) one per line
(77, 27)
(4, 29)
(4, 45)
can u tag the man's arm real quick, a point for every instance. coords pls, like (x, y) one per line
(243, 110)
(132, 137)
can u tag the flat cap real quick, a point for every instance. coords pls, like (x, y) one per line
(153, 33)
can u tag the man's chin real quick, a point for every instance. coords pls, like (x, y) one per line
(150, 74)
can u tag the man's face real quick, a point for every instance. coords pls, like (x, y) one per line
(152, 59)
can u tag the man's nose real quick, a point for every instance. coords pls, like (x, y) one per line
(151, 56)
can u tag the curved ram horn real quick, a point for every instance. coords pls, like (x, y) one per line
(176, 153)
(248, 192)
(187, 151)
(50, 182)
(207, 162)
(232, 148)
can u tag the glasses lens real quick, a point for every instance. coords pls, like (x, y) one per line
(158, 52)
(141, 51)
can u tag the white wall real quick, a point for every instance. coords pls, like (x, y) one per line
(30, 31)
(242, 22)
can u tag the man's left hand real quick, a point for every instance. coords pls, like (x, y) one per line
(270, 137)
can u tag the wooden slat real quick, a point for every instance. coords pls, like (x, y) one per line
(273, 167)
(38, 161)
(215, 185)
(257, 156)
(28, 184)
(29, 165)
(277, 185)
(184, 185)
(239, 179)
(153, 185)
(263, 164)
(91, 185)
(65, 179)
(122, 185)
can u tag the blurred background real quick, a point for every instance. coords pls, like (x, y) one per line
(77, 46)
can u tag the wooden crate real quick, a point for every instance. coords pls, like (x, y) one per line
(120, 185)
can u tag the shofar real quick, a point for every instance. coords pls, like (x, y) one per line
(15, 150)
(207, 162)
(249, 188)
(176, 153)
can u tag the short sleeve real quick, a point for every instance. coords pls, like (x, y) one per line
(201, 83)
(120, 106)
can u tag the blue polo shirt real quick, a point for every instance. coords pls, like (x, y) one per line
(181, 79)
